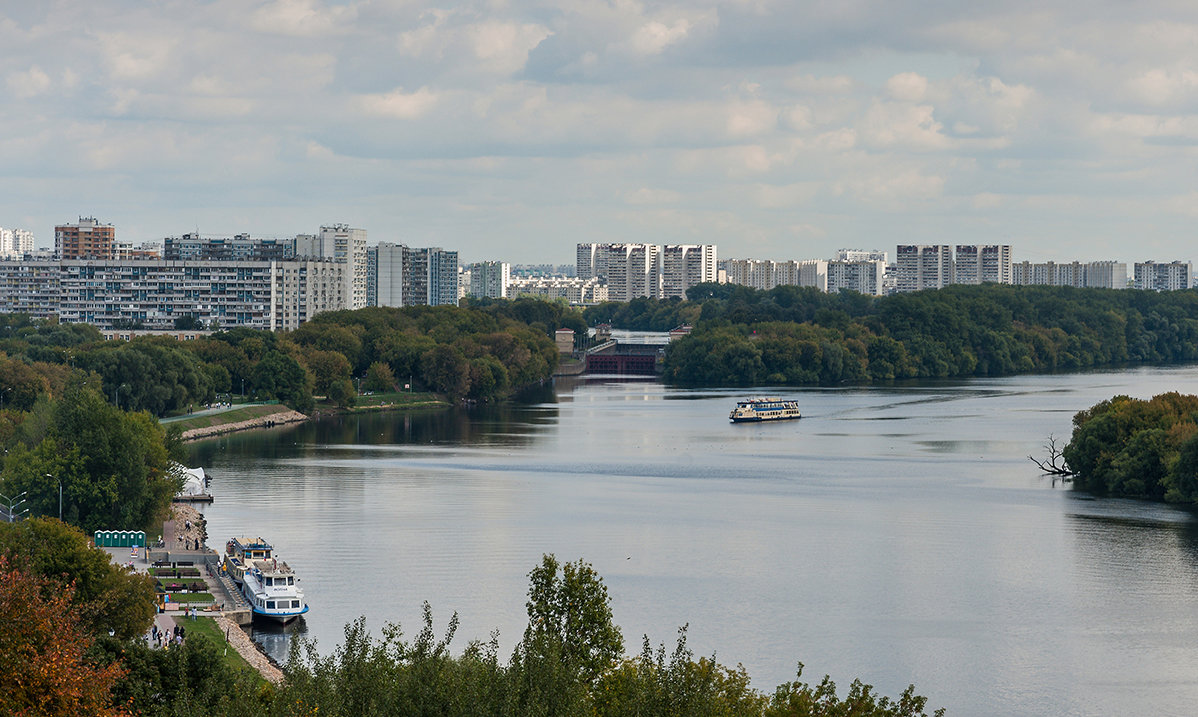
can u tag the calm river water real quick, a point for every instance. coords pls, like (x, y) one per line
(898, 534)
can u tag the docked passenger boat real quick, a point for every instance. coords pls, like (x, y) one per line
(764, 408)
(270, 586)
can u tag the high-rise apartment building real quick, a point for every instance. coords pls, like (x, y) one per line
(489, 279)
(15, 243)
(923, 266)
(684, 266)
(590, 262)
(89, 239)
(343, 243)
(406, 276)
(633, 270)
(982, 264)
(863, 277)
(1151, 276)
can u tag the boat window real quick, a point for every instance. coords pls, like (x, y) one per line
(290, 580)
(270, 604)
(295, 603)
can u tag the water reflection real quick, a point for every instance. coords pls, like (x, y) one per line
(927, 551)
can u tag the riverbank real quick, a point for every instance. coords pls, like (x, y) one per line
(278, 417)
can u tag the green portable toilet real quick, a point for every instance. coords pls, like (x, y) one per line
(105, 538)
(99, 539)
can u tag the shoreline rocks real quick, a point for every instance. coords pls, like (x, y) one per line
(274, 419)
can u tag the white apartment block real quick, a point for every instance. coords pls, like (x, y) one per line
(633, 270)
(340, 242)
(1095, 275)
(982, 264)
(590, 262)
(923, 266)
(863, 277)
(305, 288)
(1151, 276)
(404, 276)
(684, 266)
(765, 274)
(489, 279)
(15, 243)
(573, 290)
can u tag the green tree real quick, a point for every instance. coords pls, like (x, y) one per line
(379, 377)
(570, 618)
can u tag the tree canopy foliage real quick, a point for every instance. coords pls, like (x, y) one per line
(1139, 449)
(794, 336)
(483, 351)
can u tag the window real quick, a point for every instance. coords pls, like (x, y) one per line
(270, 604)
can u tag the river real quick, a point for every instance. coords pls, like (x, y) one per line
(898, 534)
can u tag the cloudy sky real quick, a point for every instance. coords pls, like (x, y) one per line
(514, 129)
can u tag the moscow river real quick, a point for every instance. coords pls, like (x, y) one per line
(898, 534)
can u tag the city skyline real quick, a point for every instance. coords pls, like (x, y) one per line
(523, 128)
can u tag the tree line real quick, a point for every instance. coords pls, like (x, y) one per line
(80, 650)
(481, 352)
(796, 336)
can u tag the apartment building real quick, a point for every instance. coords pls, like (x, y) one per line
(239, 247)
(1153, 276)
(765, 274)
(982, 264)
(684, 266)
(570, 289)
(923, 266)
(863, 277)
(88, 239)
(1095, 274)
(405, 276)
(343, 243)
(30, 287)
(633, 270)
(489, 279)
(15, 243)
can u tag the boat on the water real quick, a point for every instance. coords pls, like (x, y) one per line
(764, 408)
(270, 586)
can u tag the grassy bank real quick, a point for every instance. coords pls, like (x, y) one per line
(235, 415)
(206, 628)
(396, 399)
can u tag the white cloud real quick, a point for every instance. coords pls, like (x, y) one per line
(907, 87)
(27, 83)
(301, 18)
(399, 104)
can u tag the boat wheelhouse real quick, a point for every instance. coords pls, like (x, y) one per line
(764, 408)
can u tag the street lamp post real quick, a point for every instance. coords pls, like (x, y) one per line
(12, 504)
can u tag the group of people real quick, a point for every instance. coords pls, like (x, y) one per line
(163, 639)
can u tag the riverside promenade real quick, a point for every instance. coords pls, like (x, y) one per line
(183, 542)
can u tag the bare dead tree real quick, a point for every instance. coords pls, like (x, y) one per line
(1055, 464)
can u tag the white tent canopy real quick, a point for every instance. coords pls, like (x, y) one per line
(194, 480)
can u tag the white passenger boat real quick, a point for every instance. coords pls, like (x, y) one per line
(764, 408)
(270, 586)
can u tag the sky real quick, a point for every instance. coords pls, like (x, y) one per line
(514, 129)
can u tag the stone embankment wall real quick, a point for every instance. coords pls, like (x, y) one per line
(274, 419)
(248, 649)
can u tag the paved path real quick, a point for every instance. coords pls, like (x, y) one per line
(209, 412)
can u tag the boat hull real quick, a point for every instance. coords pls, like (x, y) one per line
(280, 617)
(760, 419)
